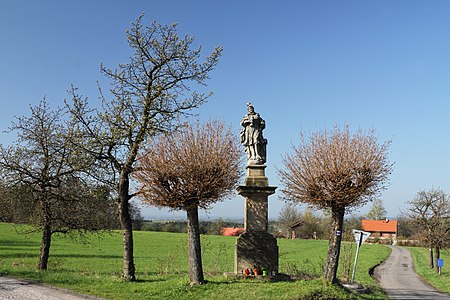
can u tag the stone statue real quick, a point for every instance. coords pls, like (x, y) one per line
(252, 137)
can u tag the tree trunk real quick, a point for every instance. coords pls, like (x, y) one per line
(437, 255)
(334, 246)
(45, 246)
(430, 257)
(126, 223)
(194, 249)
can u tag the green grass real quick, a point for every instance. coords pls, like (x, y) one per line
(94, 267)
(440, 282)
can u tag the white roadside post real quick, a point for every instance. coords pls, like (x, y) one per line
(360, 237)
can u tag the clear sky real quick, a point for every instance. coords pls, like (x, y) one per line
(305, 65)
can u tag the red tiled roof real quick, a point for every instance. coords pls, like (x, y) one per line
(232, 231)
(379, 225)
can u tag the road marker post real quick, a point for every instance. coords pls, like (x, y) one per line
(360, 237)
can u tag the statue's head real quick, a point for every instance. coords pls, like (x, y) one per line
(250, 107)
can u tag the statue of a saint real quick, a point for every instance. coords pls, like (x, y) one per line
(252, 137)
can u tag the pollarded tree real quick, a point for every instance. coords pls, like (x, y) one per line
(45, 173)
(190, 169)
(335, 170)
(147, 97)
(430, 210)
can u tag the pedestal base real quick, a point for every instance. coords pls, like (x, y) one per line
(256, 249)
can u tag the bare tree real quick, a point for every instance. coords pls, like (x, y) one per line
(430, 210)
(147, 97)
(335, 170)
(377, 211)
(289, 215)
(42, 178)
(190, 169)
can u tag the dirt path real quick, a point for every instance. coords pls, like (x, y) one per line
(13, 289)
(398, 278)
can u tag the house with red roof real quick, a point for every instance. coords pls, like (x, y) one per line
(231, 231)
(381, 228)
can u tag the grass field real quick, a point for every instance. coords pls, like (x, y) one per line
(441, 282)
(94, 267)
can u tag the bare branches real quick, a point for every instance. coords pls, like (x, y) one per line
(44, 177)
(195, 166)
(147, 96)
(154, 81)
(430, 210)
(42, 154)
(336, 169)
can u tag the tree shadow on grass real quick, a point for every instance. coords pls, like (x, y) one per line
(27, 253)
(93, 256)
(253, 280)
(19, 255)
(139, 280)
(16, 243)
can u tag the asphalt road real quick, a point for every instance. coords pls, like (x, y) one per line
(398, 278)
(14, 289)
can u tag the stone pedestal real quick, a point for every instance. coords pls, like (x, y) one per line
(256, 247)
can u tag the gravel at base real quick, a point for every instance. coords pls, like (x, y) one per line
(15, 289)
(398, 278)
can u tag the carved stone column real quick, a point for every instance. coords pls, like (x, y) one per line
(256, 247)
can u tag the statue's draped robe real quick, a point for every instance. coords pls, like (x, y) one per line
(252, 138)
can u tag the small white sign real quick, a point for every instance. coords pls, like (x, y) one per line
(360, 236)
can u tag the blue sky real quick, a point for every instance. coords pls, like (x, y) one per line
(305, 65)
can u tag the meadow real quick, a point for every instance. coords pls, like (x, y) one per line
(440, 282)
(92, 265)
